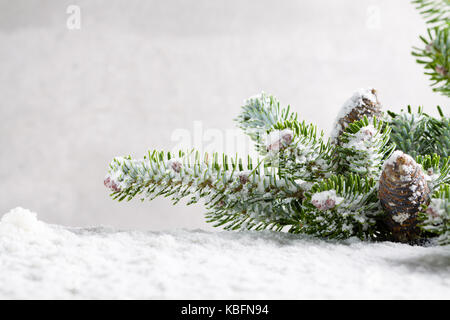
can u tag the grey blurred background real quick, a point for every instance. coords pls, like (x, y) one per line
(137, 73)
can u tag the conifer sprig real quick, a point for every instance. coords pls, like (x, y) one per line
(417, 133)
(258, 116)
(233, 193)
(435, 12)
(436, 216)
(437, 169)
(161, 173)
(439, 133)
(307, 157)
(435, 53)
(363, 147)
(341, 207)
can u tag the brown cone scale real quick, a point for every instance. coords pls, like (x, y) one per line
(364, 107)
(402, 191)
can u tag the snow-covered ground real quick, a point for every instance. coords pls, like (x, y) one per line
(38, 260)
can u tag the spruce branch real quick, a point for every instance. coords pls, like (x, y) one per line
(305, 183)
(437, 170)
(435, 12)
(296, 149)
(435, 218)
(259, 114)
(435, 55)
(233, 194)
(439, 131)
(363, 147)
(417, 133)
(341, 207)
(299, 152)
(272, 214)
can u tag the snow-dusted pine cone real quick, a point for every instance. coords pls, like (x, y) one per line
(364, 102)
(402, 190)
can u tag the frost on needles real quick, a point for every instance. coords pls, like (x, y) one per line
(434, 54)
(307, 183)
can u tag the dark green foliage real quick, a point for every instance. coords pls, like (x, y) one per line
(437, 169)
(439, 133)
(435, 12)
(363, 147)
(417, 133)
(435, 217)
(351, 204)
(258, 116)
(435, 53)
(308, 157)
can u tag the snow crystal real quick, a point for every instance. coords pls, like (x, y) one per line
(304, 185)
(42, 261)
(436, 209)
(406, 170)
(326, 200)
(243, 176)
(114, 179)
(400, 217)
(111, 183)
(277, 139)
(393, 158)
(263, 97)
(175, 164)
(431, 176)
(359, 140)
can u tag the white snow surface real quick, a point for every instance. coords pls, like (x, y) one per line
(43, 261)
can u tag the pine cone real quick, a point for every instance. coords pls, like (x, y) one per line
(402, 190)
(364, 102)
